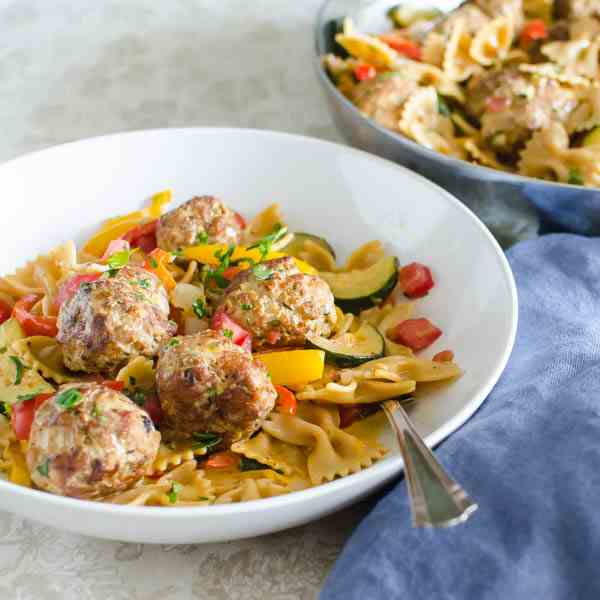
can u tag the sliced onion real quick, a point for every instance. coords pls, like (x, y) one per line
(184, 295)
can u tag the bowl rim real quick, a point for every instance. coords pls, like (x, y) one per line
(377, 473)
(456, 163)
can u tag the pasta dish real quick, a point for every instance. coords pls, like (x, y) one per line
(513, 85)
(188, 357)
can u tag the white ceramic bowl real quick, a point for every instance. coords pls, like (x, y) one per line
(344, 195)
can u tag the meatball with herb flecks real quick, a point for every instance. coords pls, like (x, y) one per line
(109, 321)
(279, 305)
(88, 441)
(208, 385)
(201, 220)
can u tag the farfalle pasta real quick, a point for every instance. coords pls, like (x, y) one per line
(480, 83)
(152, 369)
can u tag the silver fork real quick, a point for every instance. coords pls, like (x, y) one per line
(436, 500)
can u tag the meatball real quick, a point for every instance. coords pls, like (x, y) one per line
(279, 305)
(114, 319)
(207, 384)
(88, 441)
(382, 98)
(201, 219)
(511, 105)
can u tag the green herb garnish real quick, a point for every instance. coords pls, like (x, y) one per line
(19, 368)
(69, 398)
(575, 177)
(201, 238)
(120, 259)
(246, 306)
(96, 412)
(205, 440)
(4, 409)
(173, 342)
(443, 108)
(145, 283)
(264, 244)
(137, 396)
(199, 308)
(177, 253)
(132, 381)
(25, 397)
(176, 487)
(249, 464)
(228, 333)
(262, 272)
(43, 468)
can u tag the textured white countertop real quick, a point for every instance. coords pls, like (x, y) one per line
(71, 70)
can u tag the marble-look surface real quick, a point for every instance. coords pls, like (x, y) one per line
(71, 70)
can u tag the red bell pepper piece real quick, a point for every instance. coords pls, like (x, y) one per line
(286, 400)
(70, 287)
(33, 324)
(415, 280)
(417, 334)
(229, 328)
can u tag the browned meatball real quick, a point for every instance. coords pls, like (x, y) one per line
(382, 98)
(88, 441)
(200, 220)
(113, 319)
(279, 305)
(207, 384)
(511, 105)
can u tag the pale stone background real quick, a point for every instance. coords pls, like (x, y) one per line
(79, 68)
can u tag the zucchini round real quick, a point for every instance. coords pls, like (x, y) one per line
(592, 138)
(357, 290)
(297, 244)
(352, 349)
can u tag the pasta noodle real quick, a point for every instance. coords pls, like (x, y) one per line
(459, 64)
(587, 113)
(44, 355)
(493, 42)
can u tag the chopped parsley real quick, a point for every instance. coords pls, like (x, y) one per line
(137, 396)
(575, 177)
(4, 409)
(118, 260)
(443, 107)
(153, 262)
(25, 397)
(176, 488)
(265, 243)
(43, 468)
(246, 306)
(145, 283)
(205, 440)
(228, 333)
(173, 342)
(19, 369)
(202, 238)
(69, 398)
(199, 308)
(177, 253)
(96, 412)
(262, 272)
(224, 258)
(249, 464)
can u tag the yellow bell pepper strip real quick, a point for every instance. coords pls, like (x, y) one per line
(293, 367)
(206, 254)
(14, 455)
(118, 226)
(156, 263)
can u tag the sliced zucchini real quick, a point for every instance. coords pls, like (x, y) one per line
(409, 13)
(297, 244)
(356, 290)
(592, 138)
(352, 349)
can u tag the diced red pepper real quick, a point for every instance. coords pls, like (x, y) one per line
(153, 408)
(286, 400)
(33, 324)
(349, 413)
(23, 413)
(238, 335)
(497, 103)
(70, 287)
(230, 272)
(417, 334)
(118, 386)
(534, 30)
(5, 311)
(241, 221)
(444, 356)
(222, 460)
(364, 72)
(415, 280)
(403, 46)
(143, 236)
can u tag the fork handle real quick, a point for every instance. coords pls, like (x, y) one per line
(436, 500)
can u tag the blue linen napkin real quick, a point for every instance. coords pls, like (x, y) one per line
(530, 457)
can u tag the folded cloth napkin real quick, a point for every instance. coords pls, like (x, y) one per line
(530, 457)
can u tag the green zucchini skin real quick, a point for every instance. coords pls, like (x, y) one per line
(358, 304)
(349, 359)
(299, 239)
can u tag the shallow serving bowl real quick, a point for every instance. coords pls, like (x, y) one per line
(573, 208)
(344, 195)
